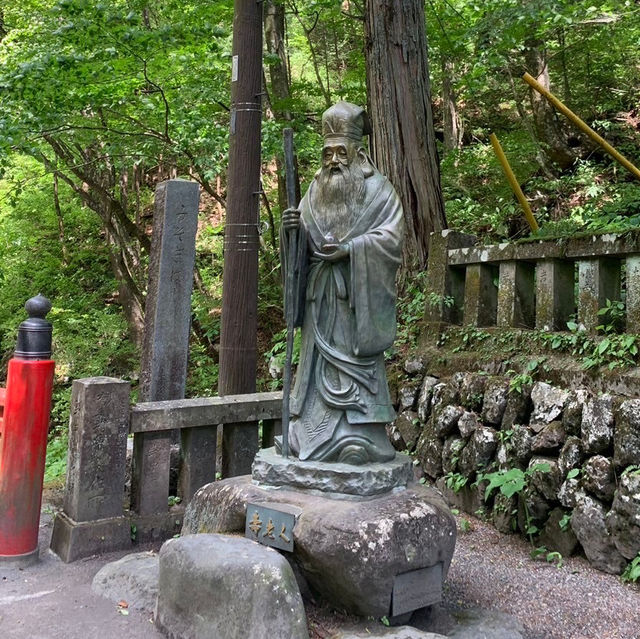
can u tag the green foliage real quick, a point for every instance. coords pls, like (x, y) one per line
(465, 525)
(613, 317)
(518, 382)
(510, 482)
(564, 522)
(552, 557)
(277, 354)
(632, 571)
(411, 309)
(455, 481)
(613, 350)
(90, 334)
(56, 460)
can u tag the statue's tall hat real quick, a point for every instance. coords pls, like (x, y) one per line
(345, 120)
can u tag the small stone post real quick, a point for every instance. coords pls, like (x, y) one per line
(480, 295)
(598, 279)
(516, 295)
(93, 519)
(444, 281)
(633, 294)
(555, 297)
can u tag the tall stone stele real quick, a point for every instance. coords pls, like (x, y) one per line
(349, 237)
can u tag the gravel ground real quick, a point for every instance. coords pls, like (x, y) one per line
(492, 570)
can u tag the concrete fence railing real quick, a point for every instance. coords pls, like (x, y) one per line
(536, 284)
(95, 517)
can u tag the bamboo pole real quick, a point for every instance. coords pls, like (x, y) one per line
(583, 126)
(506, 167)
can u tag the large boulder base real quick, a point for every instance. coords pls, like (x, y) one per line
(349, 550)
(222, 587)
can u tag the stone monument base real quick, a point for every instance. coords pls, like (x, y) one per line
(271, 469)
(380, 555)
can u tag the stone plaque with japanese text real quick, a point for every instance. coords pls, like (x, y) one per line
(416, 589)
(271, 526)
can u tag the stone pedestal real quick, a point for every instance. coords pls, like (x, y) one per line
(271, 469)
(372, 555)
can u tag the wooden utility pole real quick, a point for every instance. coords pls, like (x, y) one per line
(238, 339)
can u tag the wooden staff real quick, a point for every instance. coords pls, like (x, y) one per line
(290, 280)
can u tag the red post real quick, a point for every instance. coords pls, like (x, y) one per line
(24, 425)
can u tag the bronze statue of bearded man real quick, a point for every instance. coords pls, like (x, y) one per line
(349, 236)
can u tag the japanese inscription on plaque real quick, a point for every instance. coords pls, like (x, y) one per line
(271, 526)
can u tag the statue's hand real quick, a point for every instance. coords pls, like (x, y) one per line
(333, 252)
(291, 220)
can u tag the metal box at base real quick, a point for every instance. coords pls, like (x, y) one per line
(416, 589)
(270, 526)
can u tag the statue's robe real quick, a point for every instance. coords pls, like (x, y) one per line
(347, 311)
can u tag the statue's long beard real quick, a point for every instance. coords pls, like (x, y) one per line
(339, 198)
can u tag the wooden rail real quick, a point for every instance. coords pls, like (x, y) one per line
(204, 411)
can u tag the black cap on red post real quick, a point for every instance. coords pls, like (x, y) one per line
(34, 334)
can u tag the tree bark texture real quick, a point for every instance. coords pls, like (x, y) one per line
(403, 139)
(547, 124)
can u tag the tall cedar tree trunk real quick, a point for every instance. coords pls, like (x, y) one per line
(548, 128)
(403, 139)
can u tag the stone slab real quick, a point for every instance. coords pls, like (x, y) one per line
(578, 247)
(416, 589)
(214, 586)
(72, 540)
(165, 351)
(349, 550)
(163, 372)
(271, 469)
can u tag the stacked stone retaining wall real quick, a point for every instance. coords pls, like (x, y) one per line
(588, 497)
